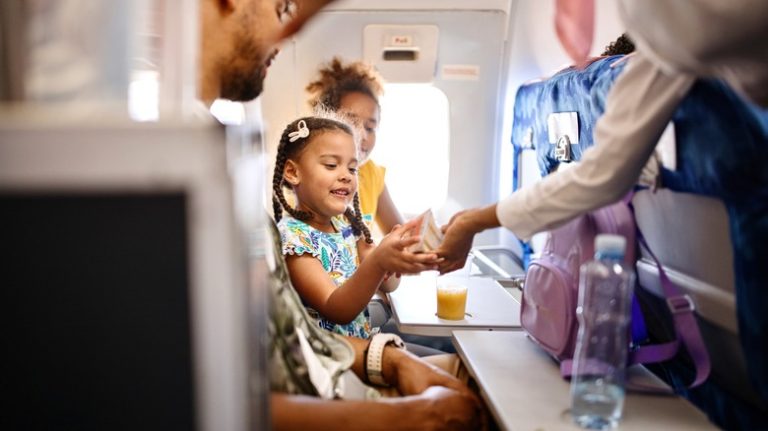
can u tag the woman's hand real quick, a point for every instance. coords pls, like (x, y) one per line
(457, 241)
(459, 233)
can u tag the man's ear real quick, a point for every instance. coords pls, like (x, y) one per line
(291, 173)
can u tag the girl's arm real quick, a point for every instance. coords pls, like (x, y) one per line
(338, 304)
(364, 249)
(342, 304)
(387, 215)
(390, 282)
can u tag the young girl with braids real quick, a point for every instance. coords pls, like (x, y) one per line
(329, 252)
(354, 89)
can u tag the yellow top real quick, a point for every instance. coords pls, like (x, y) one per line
(370, 186)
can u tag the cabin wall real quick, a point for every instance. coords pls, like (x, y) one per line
(510, 42)
(466, 37)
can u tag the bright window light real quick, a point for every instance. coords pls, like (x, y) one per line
(143, 95)
(413, 144)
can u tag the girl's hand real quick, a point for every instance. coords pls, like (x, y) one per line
(392, 253)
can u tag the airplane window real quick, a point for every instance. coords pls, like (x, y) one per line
(413, 143)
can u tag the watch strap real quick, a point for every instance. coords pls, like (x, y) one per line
(374, 358)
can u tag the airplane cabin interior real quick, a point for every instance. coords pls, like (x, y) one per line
(145, 274)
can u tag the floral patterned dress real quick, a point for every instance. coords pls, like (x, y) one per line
(338, 254)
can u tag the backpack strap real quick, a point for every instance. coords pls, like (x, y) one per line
(681, 307)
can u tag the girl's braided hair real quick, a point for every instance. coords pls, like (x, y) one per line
(337, 80)
(287, 150)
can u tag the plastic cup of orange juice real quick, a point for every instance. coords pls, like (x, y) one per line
(451, 300)
(452, 292)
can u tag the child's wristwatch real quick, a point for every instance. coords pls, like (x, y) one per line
(375, 354)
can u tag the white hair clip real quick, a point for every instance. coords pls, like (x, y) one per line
(301, 132)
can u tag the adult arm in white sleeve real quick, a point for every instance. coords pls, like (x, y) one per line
(638, 108)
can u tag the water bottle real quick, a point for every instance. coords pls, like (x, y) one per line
(605, 292)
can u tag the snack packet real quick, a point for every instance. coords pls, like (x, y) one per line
(430, 234)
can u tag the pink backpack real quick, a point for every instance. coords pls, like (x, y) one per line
(548, 310)
(550, 294)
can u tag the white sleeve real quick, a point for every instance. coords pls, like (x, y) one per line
(638, 108)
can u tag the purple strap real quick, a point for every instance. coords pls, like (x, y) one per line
(681, 306)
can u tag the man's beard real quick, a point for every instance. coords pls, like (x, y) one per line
(243, 80)
(243, 85)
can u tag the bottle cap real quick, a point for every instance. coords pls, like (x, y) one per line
(606, 243)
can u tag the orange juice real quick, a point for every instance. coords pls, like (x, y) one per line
(451, 301)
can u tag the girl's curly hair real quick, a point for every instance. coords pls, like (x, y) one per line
(287, 150)
(337, 79)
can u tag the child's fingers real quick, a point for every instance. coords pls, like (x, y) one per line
(418, 268)
(426, 258)
(409, 226)
(414, 267)
(426, 265)
(405, 242)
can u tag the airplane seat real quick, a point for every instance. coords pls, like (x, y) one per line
(691, 237)
(708, 224)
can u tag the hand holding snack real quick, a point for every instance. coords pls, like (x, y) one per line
(429, 233)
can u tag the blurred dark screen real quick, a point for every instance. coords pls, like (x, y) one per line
(94, 313)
